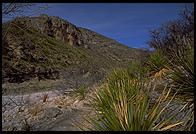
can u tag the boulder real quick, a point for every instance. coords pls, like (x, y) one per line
(52, 112)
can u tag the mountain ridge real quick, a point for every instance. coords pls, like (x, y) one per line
(53, 48)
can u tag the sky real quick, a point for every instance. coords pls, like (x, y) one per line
(127, 23)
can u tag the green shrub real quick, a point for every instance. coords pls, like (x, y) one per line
(135, 70)
(183, 73)
(156, 62)
(124, 77)
(81, 91)
(182, 76)
(123, 105)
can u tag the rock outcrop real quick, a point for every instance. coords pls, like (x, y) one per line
(54, 27)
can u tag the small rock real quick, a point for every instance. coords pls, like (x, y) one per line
(21, 109)
(86, 75)
(59, 106)
(10, 128)
(26, 127)
(52, 112)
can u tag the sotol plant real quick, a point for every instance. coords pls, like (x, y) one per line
(81, 91)
(123, 105)
(183, 78)
(156, 62)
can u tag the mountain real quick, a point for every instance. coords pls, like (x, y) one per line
(53, 48)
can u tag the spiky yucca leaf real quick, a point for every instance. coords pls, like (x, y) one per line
(183, 73)
(120, 111)
(156, 62)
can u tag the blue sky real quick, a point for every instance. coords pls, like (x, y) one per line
(128, 23)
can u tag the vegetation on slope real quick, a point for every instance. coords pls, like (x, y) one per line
(27, 52)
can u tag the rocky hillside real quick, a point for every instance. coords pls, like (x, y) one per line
(52, 48)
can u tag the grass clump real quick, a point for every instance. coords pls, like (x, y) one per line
(135, 70)
(156, 62)
(123, 105)
(177, 70)
(183, 73)
(182, 78)
(81, 91)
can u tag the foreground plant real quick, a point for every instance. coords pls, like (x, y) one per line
(183, 78)
(183, 73)
(81, 91)
(124, 105)
(179, 74)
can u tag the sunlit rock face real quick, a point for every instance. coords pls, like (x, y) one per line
(54, 27)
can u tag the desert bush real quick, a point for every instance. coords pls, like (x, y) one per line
(124, 78)
(183, 73)
(176, 41)
(81, 91)
(171, 34)
(135, 70)
(156, 62)
(123, 105)
(181, 78)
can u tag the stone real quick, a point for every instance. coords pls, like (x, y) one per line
(52, 112)
(86, 75)
(59, 106)
(21, 109)
(15, 125)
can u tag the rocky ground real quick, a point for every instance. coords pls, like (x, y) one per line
(51, 110)
(56, 110)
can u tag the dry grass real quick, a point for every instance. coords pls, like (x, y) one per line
(161, 74)
(45, 97)
(35, 109)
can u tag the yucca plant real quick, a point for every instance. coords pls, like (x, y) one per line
(183, 77)
(135, 70)
(81, 91)
(183, 73)
(156, 62)
(123, 105)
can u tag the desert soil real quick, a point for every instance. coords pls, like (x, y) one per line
(30, 112)
(59, 110)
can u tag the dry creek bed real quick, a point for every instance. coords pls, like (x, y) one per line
(31, 112)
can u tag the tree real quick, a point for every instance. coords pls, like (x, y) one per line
(176, 34)
(12, 10)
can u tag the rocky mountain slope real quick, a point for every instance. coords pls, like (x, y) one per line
(52, 48)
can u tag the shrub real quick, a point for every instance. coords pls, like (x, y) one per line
(81, 91)
(123, 105)
(183, 73)
(182, 76)
(135, 70)
(183, 80)
(171, 33)
(156, 62)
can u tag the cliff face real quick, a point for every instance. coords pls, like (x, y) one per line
(63, 31)
(51, 48)
(54, 27)
(66, 32)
